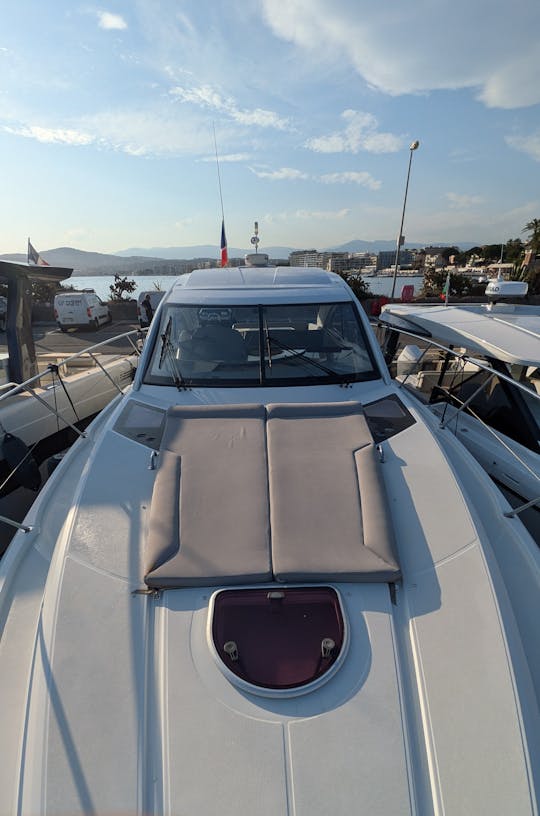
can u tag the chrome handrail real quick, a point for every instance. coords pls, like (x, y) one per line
(28, 386)
(463, 358)
(16, 388)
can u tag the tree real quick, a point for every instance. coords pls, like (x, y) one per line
(513, 250)
(460, 285)
(358, 285)
(533, 227)
(120, 287)
(43, 292)
(531, 268)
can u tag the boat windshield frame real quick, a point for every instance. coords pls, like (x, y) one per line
(261, 345)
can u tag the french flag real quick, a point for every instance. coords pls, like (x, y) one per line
(224, 255)
(34, 257)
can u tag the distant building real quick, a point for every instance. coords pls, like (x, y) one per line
(337, 261)
(434, 257)
(306, 257)
(361, 260)
(331, 261)
(387, 258)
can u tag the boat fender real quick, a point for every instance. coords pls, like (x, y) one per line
(21, 463)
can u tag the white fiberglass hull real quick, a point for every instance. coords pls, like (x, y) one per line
(113, 702)
(76, 397)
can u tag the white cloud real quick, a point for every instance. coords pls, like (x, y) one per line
(306, 215)
(183, 223)
(360, 133)
(206, 97)
(149, 133)
(322, 215)
(154, 132)
(462, 202)
(51, 135)
(228, 157)
(352, 176)
(347, 177)
(283, 174)
(110, 21)
(526, 144)
(401, 48)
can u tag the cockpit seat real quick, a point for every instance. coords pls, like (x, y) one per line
(219, 343)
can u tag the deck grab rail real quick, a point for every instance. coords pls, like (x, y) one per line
(463, 358)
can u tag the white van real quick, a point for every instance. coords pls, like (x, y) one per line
(80, 310)
(155, 298)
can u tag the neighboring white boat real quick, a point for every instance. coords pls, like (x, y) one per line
(267, 582)
(43, 415)
(482, 377)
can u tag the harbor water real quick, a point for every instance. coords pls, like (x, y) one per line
(378, 285)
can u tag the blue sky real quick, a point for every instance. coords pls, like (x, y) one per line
(107, 115)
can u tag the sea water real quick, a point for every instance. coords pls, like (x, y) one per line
(101, 284)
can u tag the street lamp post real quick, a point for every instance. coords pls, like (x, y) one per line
(414, 146)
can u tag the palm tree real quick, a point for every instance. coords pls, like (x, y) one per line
(533, 227)
(531, 267)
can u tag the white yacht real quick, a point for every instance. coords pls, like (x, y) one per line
(267, 582)
(479, 367)
(44, 414)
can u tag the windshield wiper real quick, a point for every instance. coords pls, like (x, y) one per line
(167, 349)
(165, 342)
(268, 343)
(299, 355)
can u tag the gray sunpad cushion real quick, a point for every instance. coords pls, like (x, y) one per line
(209, 519)
(246, 495)
(330, 520)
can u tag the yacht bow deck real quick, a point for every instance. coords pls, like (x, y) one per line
(401, 722)
(229, 600)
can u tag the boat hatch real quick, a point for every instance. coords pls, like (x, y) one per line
(278, 638)
(142, 423)
(387, 417)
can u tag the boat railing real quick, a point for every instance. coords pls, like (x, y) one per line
(10, 389)
(31, 386)
(465, 405)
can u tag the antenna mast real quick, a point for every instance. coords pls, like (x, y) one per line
(218, 173)
(224, 253)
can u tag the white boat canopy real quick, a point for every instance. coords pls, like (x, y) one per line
(509, 333)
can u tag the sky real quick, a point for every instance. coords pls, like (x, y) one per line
(111, 117)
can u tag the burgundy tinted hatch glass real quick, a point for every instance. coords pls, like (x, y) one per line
(278, 638)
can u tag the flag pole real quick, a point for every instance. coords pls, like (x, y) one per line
(224, 256)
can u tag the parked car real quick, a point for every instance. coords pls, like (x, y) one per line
(80, 310)
(155, 298)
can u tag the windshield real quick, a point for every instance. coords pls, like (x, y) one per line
(299, 344)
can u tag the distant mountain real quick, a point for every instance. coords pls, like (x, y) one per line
(212, 251)
(200, 251)
(98, 263)
(175, 260)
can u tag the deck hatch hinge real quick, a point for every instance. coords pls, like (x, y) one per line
(154, 593)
